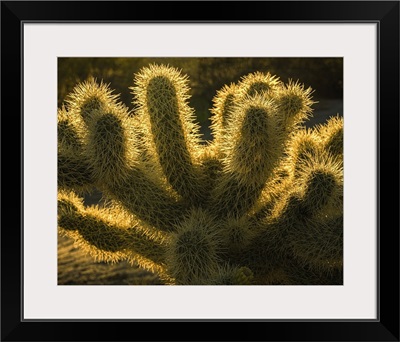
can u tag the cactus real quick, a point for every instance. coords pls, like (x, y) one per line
(262, 203)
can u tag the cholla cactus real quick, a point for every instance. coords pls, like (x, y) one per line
(260, 204)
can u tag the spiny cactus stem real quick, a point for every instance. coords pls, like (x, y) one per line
(148, 200)
(108, 237)
(224, 103)
(162, 101)
(250, 157)
(194, 248)
(110, 146)
(74, 173)
(332, 134)
(320, 187)
(318, 243)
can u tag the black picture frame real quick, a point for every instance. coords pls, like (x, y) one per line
(15, 13)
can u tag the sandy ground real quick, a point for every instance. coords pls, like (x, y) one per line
(76, 268)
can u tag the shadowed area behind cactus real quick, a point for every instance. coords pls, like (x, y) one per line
(261, 203)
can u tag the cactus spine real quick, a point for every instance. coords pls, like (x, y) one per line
(259, 204)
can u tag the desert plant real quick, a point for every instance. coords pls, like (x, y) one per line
(262, 203)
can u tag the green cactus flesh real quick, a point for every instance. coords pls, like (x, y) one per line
(262, 203)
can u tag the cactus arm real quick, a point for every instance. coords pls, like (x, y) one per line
(73, 170)
(251, 148)
(306, 224)
(318, 241)
(332, 135)
(105, 131)
(296, 247)
(211, 169)
(161, 97)
(258, 83)
(253, 140)
(302, 145)
(112, 152)
(110, 144)
(105, 240)
(223, 105)
(294, 104)
(147, 199)
(90, 96)
(193, 255)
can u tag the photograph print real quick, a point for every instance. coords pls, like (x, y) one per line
(200, 171)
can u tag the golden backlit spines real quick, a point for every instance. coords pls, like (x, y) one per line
(74, 171)
(223, 105)
(251, 150)
(332, 135)
(169, 86)
(252, 143)
(193, 256)
(295, 104)
(321, 177)
(302, 144)
(109, 233)
(111, 147)
(90, 95)
(237, 234)
(259, 83)
(69, 137)
(169, 127)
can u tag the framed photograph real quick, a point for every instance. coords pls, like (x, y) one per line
(200, 171)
